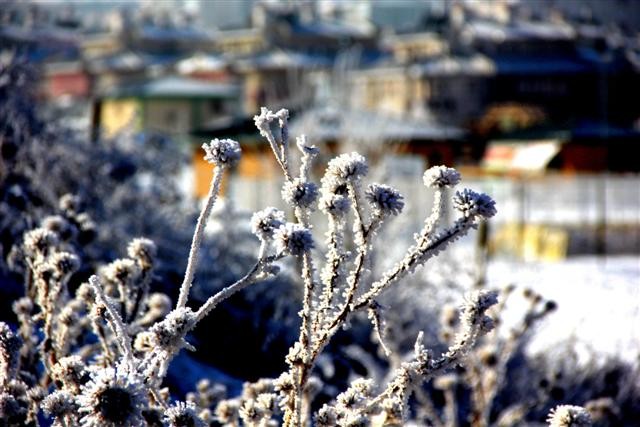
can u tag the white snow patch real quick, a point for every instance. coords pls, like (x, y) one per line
(598, 302)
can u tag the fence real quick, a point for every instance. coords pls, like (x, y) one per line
(566, 214)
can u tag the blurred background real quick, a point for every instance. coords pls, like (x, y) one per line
(536, 102)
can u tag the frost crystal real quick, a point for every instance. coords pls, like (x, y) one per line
(265, 222)
(300, 194)
(222, 152)
(472, 204)
(441, 176)
(293, 239)
(385, 199)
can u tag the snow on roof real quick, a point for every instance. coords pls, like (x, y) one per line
(522, 30)
(449, 65)
(201, 62)
(127, 61)
(277, 59)
(332, 29)
(174, 87)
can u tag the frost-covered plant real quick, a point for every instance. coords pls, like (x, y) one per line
(116, 377)
(345, 285)
(130, 191)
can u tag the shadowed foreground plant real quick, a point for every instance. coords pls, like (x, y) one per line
(106, 348)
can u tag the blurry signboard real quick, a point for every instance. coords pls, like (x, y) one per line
(523, 156)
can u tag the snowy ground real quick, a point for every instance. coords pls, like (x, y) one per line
(598, 302)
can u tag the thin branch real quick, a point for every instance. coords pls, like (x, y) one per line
(192, 262)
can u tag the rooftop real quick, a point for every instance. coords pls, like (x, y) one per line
(173, 87)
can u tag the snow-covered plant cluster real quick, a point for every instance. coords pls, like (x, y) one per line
(98, 356)
(94, 340)
(108, 191)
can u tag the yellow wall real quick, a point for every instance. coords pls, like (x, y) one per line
(255, 164)
(118, 114)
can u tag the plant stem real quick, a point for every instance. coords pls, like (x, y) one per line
(192, 262)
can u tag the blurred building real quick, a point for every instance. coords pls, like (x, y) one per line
(502, 69)
(173, 106)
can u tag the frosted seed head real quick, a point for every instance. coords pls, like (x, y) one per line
(266, 403)
(293, 239)
(59, 225)
(113, 397)
(569, 416)
(144, 342)
(23, 306)
(264, 223)
(59, 403)
(123, 271)
(285, 383)
(327, 416)
(385, 199)
(69, 203)
(69, 316)
(183, 414)
(70, 371)
(12, 410)
(441, 177)
(335, 204)
(250, 413)
(347, 167)
(299, 194)
(39, 241)
(222, 152)
(472, 204)
(227, 411)
(64, 263)
(160, 303)
(142, 250)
